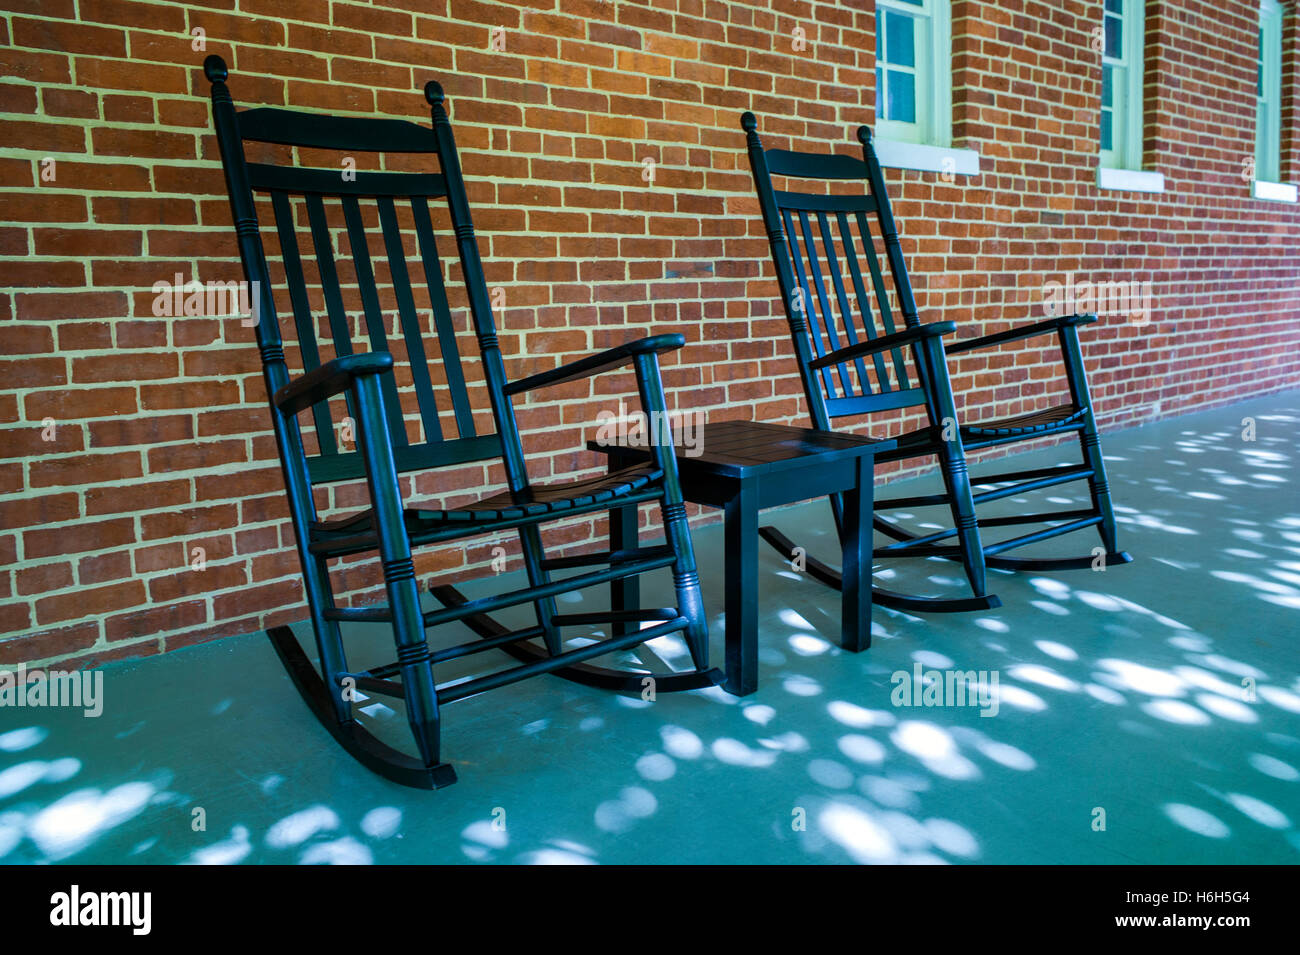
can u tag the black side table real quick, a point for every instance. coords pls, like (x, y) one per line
(743, 467)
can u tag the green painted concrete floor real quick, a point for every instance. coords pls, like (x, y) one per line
(1126, 692)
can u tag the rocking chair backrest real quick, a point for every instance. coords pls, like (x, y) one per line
(820, 244)
(384, 214)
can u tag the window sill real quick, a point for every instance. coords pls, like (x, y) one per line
(896, 155)
(1274, 191)
(1130, 180)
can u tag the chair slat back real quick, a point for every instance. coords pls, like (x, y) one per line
(830, 275)
(365, 238)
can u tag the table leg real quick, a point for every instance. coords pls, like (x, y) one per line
(855, 610)
(625, 593)
(741, 532)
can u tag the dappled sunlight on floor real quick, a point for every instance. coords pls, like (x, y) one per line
(1147, 713)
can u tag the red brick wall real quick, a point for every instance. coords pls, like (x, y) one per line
(160, 443)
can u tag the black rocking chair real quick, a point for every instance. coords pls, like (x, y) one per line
(396, 205)
(852, 366)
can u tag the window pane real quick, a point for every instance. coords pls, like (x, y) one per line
(880, 96)
(1114, 6)
(900, 39)
(1105, 129)
(915, 3)
(880, 35)
(1107, 81)
(1114, 38)
(902, 97)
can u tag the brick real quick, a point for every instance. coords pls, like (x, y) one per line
(136, 496)
(25, 339)
(82, 104)
(79, 242)
(42, 578)
(43, 207)
(116, 368)
(88, 601)
(34, 372)
(79, 403)
(90, 535)
(155, 620)
(46, 305)
(42, 644)
(68, 37)
(42, 136)
(128, 13)
(195, 394)
(103, 568)
(85, 336)
(186, 581)
(155, 429)
(38, 439)
(17, 99)
(34, 67)
(142, 143)
(85, 469)
(39, 509)
(285, 593)
(188, 522)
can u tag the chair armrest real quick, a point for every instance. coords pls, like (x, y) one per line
(328, 380)
(594, 364)
(1024, 331)
(883, 343)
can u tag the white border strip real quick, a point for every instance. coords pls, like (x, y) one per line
(1130, 180)
(1274, 191)
(896, 155)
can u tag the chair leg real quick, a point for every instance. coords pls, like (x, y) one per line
(686, 576)
(531, 541)
(956, 479)
(1098, 487)
(624, 593)
(329, 639)
(952, 464)
(686, 580)
(418, 684)
(413, 654)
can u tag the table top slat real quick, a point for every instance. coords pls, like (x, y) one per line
(744, 449)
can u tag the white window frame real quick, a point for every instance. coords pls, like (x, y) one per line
(927, 143)
(1126, 96)
(1268, 109)
(932, 21)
